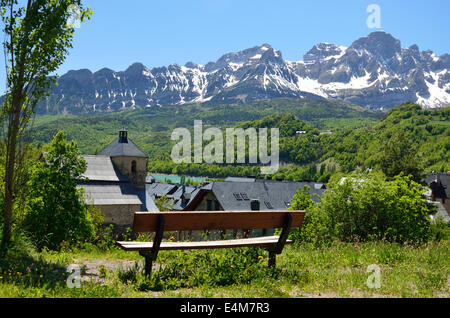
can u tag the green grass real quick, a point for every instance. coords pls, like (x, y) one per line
(337, 270)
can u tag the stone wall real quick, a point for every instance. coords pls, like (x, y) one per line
(120, 215)
(124, 165)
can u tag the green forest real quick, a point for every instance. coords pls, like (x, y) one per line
(355, 140)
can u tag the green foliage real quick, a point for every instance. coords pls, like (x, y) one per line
(57, 211)
(440, 230)
(150, 128)
(357, 145)
(163, 203)
(103, 272)
(98, 220)
(406, 140)
(365, 207)
(194, 269)
(399, 155)
(105, 239)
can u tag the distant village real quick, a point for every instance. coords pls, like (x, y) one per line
(118, 184)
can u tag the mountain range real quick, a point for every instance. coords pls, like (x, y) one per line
(374, 72)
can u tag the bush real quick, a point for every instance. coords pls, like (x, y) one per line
(366, 207)
(57, 212)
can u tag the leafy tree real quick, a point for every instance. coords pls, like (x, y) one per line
(37, 39)
(399, 155)
(57, 211)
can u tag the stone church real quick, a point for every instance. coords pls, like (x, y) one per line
(117, 181)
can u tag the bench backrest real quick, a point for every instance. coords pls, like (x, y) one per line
(215, 220)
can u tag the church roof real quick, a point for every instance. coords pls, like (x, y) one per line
(110, 193)
(122, 147)
(101, 168)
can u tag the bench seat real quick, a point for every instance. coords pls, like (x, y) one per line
(265, 241)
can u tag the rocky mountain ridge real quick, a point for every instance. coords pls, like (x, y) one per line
(375, 71)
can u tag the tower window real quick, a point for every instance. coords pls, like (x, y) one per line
(133, 166)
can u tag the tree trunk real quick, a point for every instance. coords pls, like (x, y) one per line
(13, 129)
(9, 193)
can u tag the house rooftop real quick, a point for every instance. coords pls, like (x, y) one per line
(272, 195)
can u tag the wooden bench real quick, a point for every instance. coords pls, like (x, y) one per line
(159, 222)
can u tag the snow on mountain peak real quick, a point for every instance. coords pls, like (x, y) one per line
(375, 71)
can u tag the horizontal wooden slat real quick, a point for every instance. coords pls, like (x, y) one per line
(266, 241)
(215, 220)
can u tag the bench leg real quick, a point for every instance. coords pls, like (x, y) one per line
(151, 256)
(148, 263)
(148, 266)
(272, 259)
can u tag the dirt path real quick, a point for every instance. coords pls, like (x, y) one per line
(90, 268)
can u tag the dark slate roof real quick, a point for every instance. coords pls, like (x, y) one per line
(160, 189)
(182, 190)
(111, 193)
(101, 168)
(188, 193)
(236, 196)
(172, 191)
(122, 149)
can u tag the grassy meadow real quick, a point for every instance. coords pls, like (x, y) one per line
(303, 270)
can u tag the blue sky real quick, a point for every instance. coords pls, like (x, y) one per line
(159, 33)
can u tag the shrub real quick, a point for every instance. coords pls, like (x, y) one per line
(367, 207)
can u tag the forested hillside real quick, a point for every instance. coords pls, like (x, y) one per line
(315, 156)
(357, 136)
(151, 128)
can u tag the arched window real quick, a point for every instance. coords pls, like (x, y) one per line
(133, 166)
